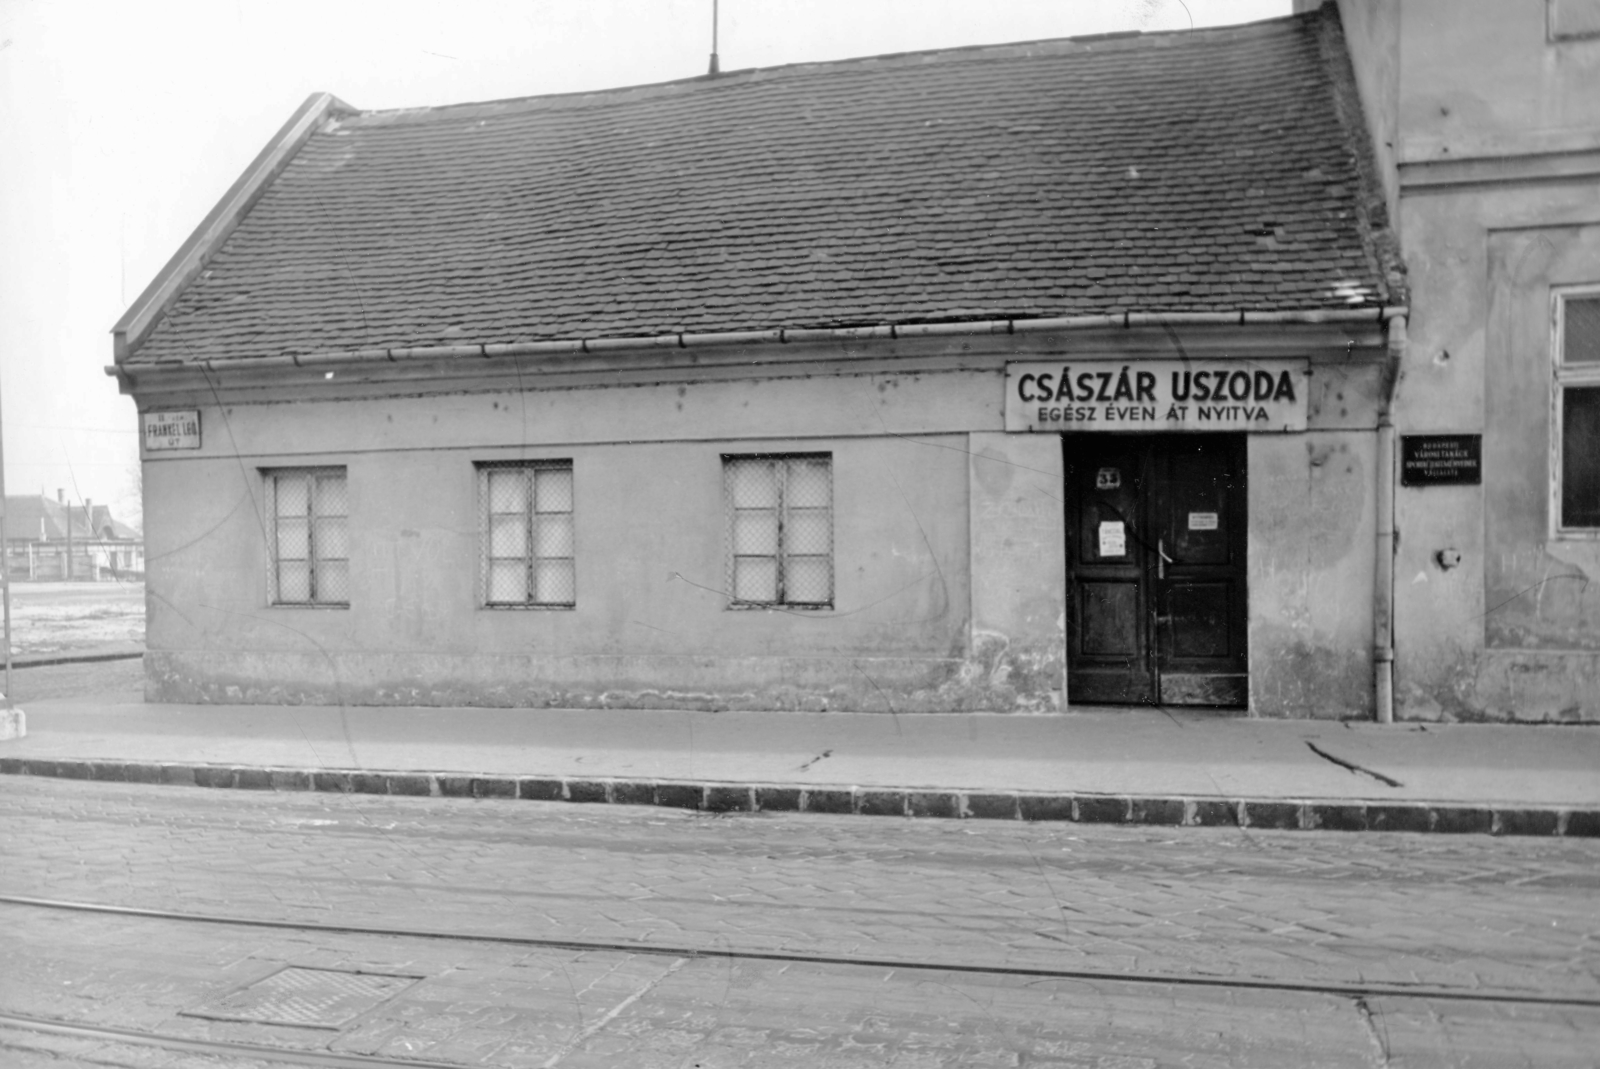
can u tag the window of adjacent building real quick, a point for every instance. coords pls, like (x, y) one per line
(1577, 410)
(310, 536)
(1570, 20)
(527, 559)
(780, 529)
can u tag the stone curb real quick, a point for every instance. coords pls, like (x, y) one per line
(1083, 808)
(50, 660)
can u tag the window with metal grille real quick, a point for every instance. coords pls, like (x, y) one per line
(1577, 411)
(527, 559)
(780, 529)
(310, 536)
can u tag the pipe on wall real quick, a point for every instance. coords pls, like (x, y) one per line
(1383, 571)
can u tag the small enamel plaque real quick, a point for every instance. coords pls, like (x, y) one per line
(1441, 459)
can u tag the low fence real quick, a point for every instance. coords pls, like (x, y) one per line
(87, 561)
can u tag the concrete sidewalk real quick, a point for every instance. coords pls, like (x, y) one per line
(1144, 766)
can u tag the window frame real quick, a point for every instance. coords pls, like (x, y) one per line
(780, 556)
(531, 557)
(272, 477)
(1555, 34)
(1562, 378)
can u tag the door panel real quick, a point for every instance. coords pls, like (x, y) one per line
(1109, 628)
(1158, 604)
(1111, 619)
(1199, 616)
(1197, 524)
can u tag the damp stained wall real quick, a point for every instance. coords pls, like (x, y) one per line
(948, 538)
(1541, 588)
(1498, 169)
(1019, 581)
(652, 626)
(1311, 551)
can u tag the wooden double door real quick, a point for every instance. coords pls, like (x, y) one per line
(1157, 594)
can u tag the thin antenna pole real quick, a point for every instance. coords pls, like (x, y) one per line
(715, 67)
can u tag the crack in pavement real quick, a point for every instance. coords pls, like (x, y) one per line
(1377, 1031)
(1352, 766)
(595, 1026)
(814, 760)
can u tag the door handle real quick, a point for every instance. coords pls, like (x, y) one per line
(1162, 560)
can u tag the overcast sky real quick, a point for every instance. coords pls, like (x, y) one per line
(123, 121)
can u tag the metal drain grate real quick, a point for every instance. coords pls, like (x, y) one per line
(305, 998)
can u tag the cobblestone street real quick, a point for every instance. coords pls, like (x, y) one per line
(683, 939)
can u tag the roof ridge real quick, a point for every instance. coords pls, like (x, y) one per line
(994, 51)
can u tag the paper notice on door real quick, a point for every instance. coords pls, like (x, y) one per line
(1113, 539)
(1202, 521)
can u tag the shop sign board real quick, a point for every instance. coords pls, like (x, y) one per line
(1157, 395)
(170, 430)
(1441, 459)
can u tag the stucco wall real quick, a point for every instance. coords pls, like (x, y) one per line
(1498, 149)
(1541, 590)
(651, 627)
(1372, 36)
(1311, 551)
(1019, 565)
(949, 542)
(1512, 632)
(1481, 78)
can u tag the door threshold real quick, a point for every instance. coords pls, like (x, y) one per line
(1194, 712)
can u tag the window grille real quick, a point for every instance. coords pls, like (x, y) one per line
(1577, 404)
(528, 559)
(310, 536)
(780, 529)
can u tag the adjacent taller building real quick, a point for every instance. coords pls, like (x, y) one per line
(1485, 116)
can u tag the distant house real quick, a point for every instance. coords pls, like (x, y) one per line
(54, 539)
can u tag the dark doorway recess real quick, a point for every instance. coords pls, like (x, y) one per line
(1156, 569)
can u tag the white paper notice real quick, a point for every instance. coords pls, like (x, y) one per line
(1202, 521)
(1113, 540)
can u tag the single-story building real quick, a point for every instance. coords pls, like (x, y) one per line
(53, 539)
(1014, 378)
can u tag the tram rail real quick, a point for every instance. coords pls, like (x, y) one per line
(1310, 987)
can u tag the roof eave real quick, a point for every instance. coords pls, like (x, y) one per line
(147, 308)
(1307, 317)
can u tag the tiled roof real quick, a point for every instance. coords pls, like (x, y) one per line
(35, 517)
(1212, 170)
